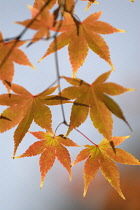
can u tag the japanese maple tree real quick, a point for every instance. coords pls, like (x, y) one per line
(56, 21)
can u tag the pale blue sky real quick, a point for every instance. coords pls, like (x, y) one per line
(19, 179)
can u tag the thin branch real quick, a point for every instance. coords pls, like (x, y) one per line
(58, 127)
(47, 88)
(57, 65)
(29, 39)
(58, 79)
(85, 136)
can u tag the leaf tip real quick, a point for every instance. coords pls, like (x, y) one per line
(126, 137)
(16, 157)
(29, 6)
(70, 177)
(84, 193)
(33, 67)
(41, 184)
(100, 12)
(40, 60)
(74, 74)
(113, 67)
(131, 89)
(89, 4)
(73, 164)
(122, 196)
(122, 31)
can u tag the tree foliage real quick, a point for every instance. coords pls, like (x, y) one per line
(58, 17)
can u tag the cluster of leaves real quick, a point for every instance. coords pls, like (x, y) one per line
(93, 99)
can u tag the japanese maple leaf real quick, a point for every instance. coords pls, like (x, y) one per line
(42, 23)
(24, 108)
(101, 157)
(50, 147)
(7, 60)
(80, 36)
(67, 5)
(50, 3)
(100, 105)
(90, 2)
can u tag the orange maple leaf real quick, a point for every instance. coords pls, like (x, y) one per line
(50, 3)
(95, 99)
(101, 157)
(50, 147)
(90, 2)
(80, 36)
(7, 62)
(67, 5)
(24, 108)
(42, 23)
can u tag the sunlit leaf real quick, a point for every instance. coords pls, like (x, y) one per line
(50, 147)
(93, 98)
(101, 157)
(24, 108)
(10, 54)
(80, 36)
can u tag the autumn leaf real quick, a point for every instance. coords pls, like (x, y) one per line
(50, 147)
(67, 5)
(24, 108)
(45, 21)
(80, 36)
(90, 2)
(50, 3)
(7, 60)
(42, 23)
(99, 104)
(101, 157)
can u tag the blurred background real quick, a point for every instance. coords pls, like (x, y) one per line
(19, 178)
